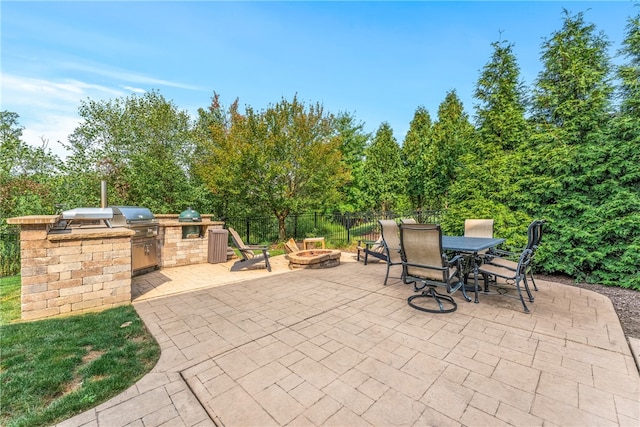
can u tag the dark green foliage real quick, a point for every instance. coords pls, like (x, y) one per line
(452, 137)
(354, 141)
(386, 176)
(414, 148)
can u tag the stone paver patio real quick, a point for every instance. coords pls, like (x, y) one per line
(335, 347)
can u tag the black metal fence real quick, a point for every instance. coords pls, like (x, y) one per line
(341, 229)
(9, 253)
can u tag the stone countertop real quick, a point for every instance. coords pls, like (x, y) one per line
(33, 219)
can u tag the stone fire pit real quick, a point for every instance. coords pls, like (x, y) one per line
(314, 258)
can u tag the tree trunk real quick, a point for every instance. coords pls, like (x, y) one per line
(282, 230)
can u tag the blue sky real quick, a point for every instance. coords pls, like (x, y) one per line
(377, 60)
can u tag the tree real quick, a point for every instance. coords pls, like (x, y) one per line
(386, 178)
(572, 149)
(573, 92)
(141, 145)
(283, 160)
(452, 136)
(488, 183)
(27, 174)
(613, 249)
(353, 144)
(414, 147)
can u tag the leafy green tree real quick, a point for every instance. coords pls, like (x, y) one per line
(27, 174)
(283, 160)
(354, 141)
(453, 136)
(140, 144)
(414, 148)
(386, 176)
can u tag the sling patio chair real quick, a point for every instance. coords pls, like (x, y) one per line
(391, 241)
(509, 260)
(249, 254)
(425, 264)
(479, 228)
(505, 276)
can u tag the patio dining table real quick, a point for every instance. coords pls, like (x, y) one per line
(470, 246)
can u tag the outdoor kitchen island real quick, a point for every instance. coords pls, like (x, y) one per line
(74, 269)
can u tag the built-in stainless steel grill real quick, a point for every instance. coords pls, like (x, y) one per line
(144, 243)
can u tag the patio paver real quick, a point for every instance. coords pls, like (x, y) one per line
(336, 347)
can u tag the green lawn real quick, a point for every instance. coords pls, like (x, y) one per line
(53, 369)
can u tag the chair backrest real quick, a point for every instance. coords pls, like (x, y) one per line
(478, 228)
(391, 239)
(422, 251)
(532, 234)
(291, 246)
(245, 252)
(538, 234)
(408, 221)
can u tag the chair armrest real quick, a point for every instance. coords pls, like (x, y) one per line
(257, 247)
(455, 259)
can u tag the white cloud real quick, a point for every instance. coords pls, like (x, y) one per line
(125, 76)
(48, 109)
(134, 89)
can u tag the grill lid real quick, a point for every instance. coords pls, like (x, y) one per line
(189, 215)
(88, 214)
(134, 213)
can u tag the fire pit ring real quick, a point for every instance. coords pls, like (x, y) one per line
(314, 258)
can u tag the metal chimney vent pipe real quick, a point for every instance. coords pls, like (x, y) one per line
(103, 194)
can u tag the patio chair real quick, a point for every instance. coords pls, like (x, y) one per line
(408, 221)
(425, 264)
(373, 248)
(511, 277)
(508, 259)
(290, 246)
(249, 254)
(479, 228)
(391, 241)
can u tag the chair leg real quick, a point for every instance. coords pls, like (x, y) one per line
(387, 276)
(526, 309)
(535, 288)
(440, 300)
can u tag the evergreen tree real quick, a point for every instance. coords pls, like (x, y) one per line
(354, 142)
(571, 106)
(488, 182)
(413, 149)
(386, 179)
(452, 137)
(573, 92)
(612, 249)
